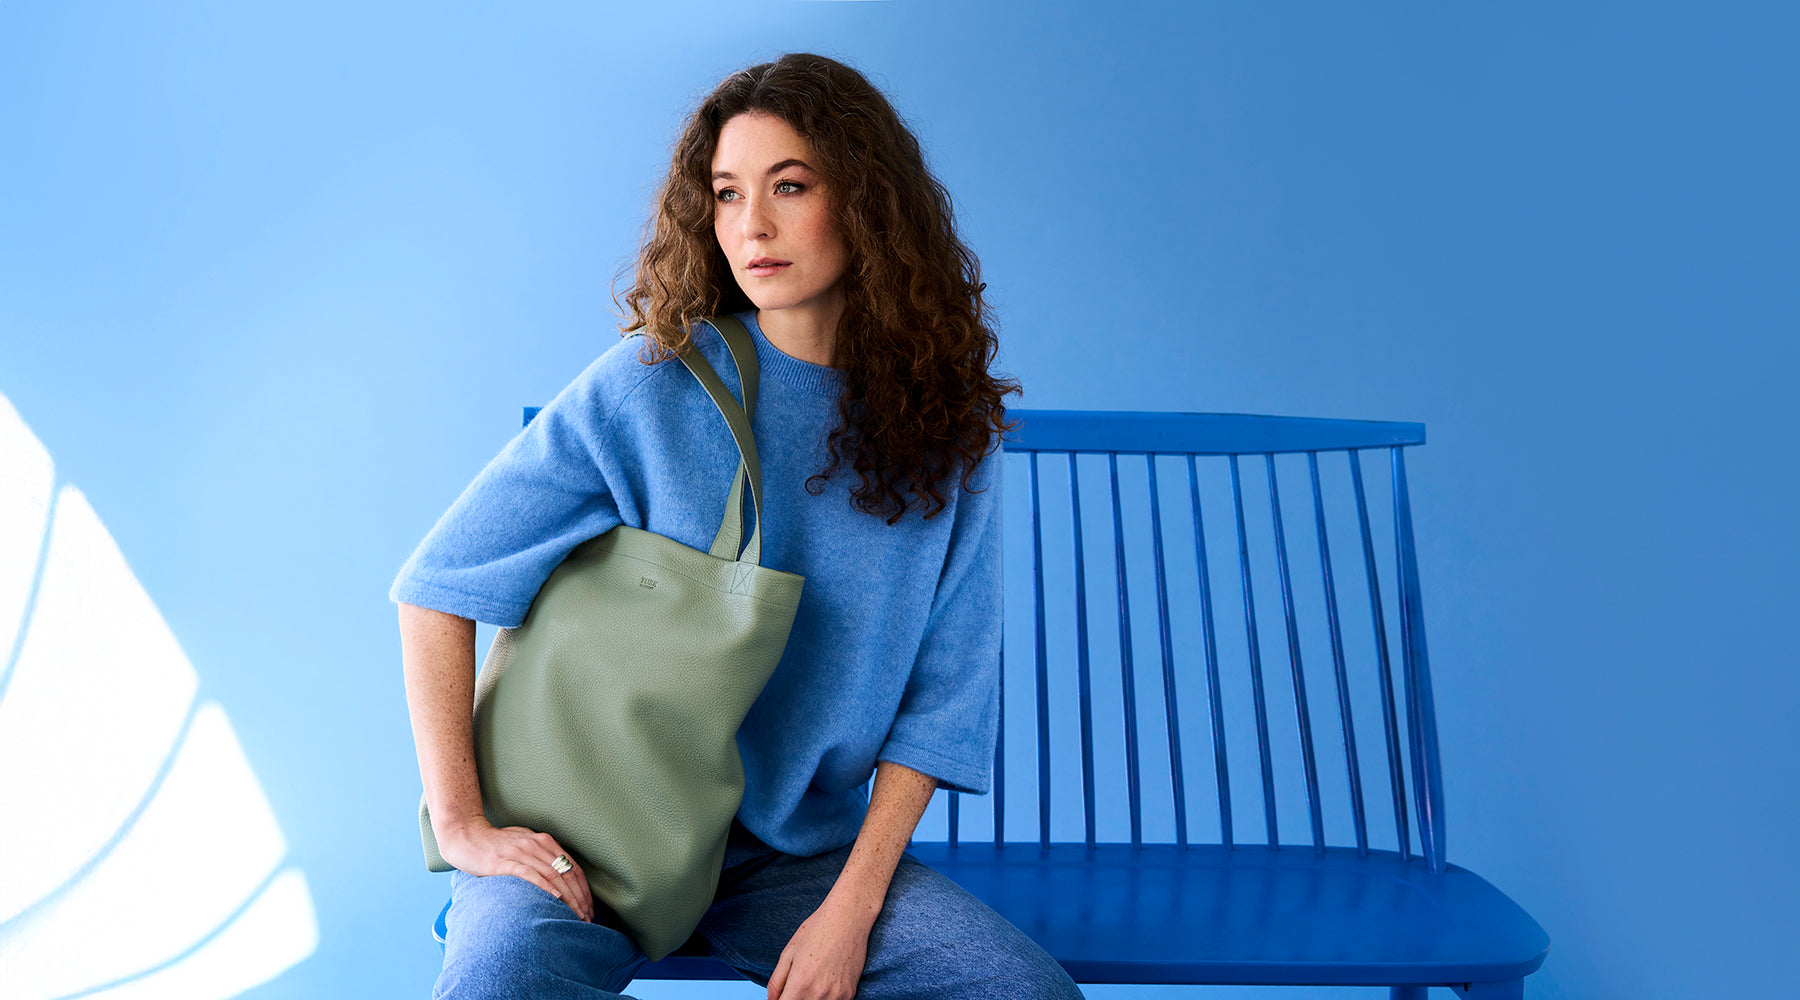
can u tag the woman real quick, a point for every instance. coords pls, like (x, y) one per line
(798, 202)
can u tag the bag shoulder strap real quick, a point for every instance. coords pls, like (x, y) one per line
(729, 539)
(737, 418)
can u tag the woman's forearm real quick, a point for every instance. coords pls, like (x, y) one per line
(437, 652)
(897, 801)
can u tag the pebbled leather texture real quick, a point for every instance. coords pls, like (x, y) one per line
(608, 718)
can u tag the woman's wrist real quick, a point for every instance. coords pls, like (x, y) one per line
(458, 829)
(853, 909)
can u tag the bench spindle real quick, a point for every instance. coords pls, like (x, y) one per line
(1302, 713)
(1390, 724)
(1127, 675)
(1168, 656)
(1345, 716)
(1081, 657)
(1428, 789)
(1255, 646)
(1043, 662)
(1000, 761)
(1220, 763)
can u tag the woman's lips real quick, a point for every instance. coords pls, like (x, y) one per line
(764, 270)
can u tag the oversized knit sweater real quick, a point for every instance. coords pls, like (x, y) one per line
(894, 652)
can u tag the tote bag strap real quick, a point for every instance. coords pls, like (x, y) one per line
(743, 354)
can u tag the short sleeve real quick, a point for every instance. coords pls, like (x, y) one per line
(544, 494)
(949, 714)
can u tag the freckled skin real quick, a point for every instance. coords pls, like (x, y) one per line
(787, 215)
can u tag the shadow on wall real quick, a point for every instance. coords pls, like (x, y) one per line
(143, 859)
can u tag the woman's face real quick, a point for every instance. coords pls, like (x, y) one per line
(769, 203)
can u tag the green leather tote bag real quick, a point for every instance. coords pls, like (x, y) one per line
(608, 718)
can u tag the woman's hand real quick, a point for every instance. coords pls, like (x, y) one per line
(824, 959)
(437, 651)
(480, 848)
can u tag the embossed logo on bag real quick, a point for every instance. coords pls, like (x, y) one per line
(646, 583)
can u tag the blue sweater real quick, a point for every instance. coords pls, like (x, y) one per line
(894, 653)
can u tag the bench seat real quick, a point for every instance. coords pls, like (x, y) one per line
(1243, 915)
(1209, 914)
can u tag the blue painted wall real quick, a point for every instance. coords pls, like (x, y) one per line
(276, 278)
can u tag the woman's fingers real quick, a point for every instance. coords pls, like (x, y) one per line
(530, 874)
(578, 895)
(571, 886)
(573, 883)
(778, 978)
(525, 853)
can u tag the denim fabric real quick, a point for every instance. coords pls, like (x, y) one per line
(509, 939)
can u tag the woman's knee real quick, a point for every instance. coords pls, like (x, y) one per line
(508, 938)
(934, 938)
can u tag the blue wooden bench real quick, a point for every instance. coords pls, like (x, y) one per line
(1168, 597)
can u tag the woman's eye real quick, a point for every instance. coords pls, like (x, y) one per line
(732, 192)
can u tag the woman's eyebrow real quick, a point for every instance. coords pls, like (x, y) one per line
(777, 168)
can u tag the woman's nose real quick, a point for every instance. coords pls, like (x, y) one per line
(756, 222)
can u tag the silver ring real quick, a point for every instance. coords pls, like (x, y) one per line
(562, 864)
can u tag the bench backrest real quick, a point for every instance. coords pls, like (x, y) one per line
(1184, 583)
(1134, 618)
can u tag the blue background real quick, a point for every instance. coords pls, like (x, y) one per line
(275, 279)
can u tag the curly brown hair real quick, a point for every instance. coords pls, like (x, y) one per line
(919, 407)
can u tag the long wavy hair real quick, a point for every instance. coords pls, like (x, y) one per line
(919, 408)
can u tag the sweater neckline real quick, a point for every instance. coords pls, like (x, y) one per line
(786, 368)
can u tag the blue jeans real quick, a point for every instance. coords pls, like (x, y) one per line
(509, 939)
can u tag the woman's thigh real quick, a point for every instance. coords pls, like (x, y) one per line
(507, 938)
(933, 938)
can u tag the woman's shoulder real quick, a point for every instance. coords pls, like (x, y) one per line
(624, 379)
(611, 380)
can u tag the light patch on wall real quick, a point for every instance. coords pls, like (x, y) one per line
(143, 858)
